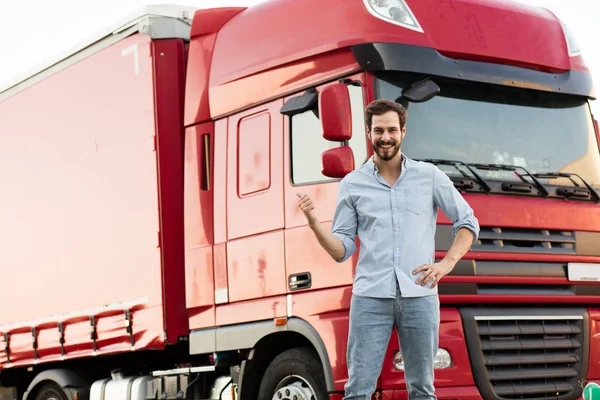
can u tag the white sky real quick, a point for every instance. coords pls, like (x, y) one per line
(32, 31)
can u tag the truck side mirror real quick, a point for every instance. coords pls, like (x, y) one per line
(299, 104)
(420, 92)
(335, 112)
(337, 162)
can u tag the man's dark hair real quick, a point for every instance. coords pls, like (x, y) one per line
(380, 107)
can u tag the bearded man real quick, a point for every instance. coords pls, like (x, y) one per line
(391, 203)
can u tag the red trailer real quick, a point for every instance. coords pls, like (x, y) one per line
(153, 173)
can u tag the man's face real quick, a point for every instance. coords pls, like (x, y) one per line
(386, 136)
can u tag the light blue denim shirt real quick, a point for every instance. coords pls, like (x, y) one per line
(396, 225)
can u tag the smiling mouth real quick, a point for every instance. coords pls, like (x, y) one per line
(385, 146)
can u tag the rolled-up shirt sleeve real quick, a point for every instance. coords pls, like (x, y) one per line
(456, 208)
(344, 225)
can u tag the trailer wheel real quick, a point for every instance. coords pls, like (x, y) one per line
(51, 391)
(294, 374)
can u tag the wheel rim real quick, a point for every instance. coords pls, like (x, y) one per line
(294, 387)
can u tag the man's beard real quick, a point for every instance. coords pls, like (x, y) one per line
(388, 153)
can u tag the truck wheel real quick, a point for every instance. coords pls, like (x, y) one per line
(51, 391)
(295, 374)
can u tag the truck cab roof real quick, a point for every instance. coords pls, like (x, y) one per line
(278, 32)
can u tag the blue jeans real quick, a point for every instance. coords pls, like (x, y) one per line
(417, 322)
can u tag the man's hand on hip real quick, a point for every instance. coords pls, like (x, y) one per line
(433, 272)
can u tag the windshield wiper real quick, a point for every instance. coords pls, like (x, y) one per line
(456, 164)
(514, 187)
(526, 186)
(571, 192)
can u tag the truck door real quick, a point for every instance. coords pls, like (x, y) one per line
(254, 202)
(308, 265)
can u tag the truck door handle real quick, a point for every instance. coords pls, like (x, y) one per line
(300, 281)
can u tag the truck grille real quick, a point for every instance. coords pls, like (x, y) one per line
(525, 240)
(527, 355)
(531, 240)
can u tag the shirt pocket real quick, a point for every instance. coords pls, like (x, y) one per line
(418, 201)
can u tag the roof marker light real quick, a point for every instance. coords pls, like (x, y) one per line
(572, 45)
(395, 12)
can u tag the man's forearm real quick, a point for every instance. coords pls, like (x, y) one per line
(332, 245)
(462, 243)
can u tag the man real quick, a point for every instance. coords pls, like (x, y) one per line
(391, 203)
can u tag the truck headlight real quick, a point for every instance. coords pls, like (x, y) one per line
(442, 360)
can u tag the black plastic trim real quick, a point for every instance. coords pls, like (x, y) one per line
(517, 289)
(586, 290)
(426, 60)
(528, 290)
(476, 353)
(509, 268)
(296, 105)
(503, 188)
(588, 243)
(525, 241)
(457, 288)
(463, 267)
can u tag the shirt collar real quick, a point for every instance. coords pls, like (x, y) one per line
(372, 167)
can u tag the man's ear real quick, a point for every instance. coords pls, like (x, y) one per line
(368, 132)
(403, 132)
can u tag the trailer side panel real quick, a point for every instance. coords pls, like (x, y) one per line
(81, 255)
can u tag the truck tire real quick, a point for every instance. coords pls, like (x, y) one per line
(51, 391)
(294, 374)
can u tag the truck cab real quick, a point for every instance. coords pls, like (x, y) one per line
(510, 123)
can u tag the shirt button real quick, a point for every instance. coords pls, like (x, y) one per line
(392, 190)
(396, 248)
(394, 209)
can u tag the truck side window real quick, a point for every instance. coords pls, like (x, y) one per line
(307, 144)
(254, 154)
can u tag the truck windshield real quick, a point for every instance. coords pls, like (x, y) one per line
(488, 124)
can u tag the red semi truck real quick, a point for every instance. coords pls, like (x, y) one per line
(152, 247)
